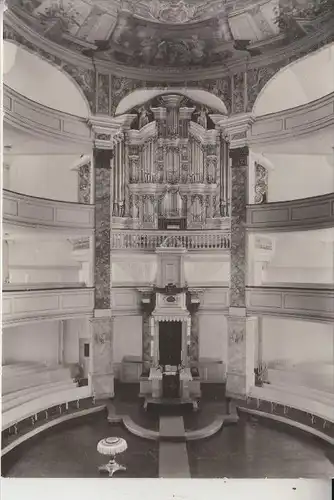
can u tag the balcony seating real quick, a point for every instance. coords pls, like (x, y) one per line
(319, 405)
(17, 398)
(318, 376)
(15, 378)
(28, 388)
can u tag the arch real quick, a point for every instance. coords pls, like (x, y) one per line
(299, 83)
(141, 96)
(40, 81)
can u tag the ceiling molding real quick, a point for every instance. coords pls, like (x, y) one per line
(273, 56)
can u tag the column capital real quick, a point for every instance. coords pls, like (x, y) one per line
(108, 130)
(236, 127)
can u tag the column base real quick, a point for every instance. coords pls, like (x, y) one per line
(103, 386)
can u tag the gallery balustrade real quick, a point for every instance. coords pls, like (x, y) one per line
(145, 240)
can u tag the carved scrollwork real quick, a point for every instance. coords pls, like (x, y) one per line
(261, 184)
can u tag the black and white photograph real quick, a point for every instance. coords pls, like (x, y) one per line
(167, 241)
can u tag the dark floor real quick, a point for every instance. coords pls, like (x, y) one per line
(71, 452)
(254, 449)
(248, 449)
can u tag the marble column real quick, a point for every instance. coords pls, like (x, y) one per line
(148, 305)
(146, 339)
(102, 378)
(102, 165)
(194, 339)
(241, 330)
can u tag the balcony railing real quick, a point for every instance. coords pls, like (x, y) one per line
(31, 211)
(135, 240)
(19, 307)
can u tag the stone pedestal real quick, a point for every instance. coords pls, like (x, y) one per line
(102, 376)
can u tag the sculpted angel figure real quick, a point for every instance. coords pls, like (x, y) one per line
(143, 117)
(201, 117)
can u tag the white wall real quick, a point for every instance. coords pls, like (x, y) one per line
(42, 82)
(38, 261)
(299, 176)
(213, 337)
(297, 341)
(32, 342)
(127, 337)
(74, 329)
(301, 257)
(5, 260)
(134, 269)
(45, 176)
(206, 269)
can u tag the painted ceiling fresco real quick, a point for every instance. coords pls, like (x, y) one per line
(158, 33)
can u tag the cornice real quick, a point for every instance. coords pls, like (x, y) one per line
(291, 123)
(153, 74)
(109, 130)
(236, 128)
(316, 212)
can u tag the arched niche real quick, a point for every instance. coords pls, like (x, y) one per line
(299, 83)
(141, 96)
(41, 82)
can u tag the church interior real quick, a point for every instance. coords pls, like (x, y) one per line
(167, 238)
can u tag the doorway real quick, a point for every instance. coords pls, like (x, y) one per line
(170, 342)
(84, 356)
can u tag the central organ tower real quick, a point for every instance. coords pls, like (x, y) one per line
(170, 168)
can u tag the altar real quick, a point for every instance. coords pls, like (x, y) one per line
(170, 382)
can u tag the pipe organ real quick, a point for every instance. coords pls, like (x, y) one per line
(171, 168)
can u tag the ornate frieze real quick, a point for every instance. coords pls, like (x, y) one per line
(103, 94)
(103, 90)
(220, 87)
(239, 92)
